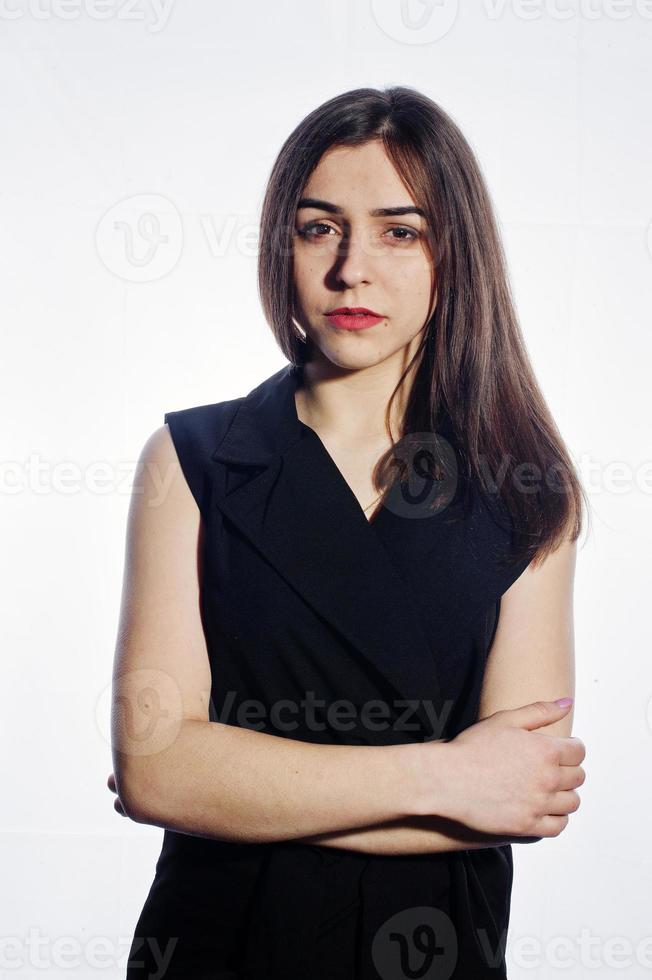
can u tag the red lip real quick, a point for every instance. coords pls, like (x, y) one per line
(353, 309)
(354, 319)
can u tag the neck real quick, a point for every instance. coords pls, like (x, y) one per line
(351, 403)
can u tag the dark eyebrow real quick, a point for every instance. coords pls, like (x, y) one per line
(313, 202)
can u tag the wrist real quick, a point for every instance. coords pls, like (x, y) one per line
(431, 765)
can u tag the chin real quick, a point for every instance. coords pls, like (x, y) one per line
(346, 356)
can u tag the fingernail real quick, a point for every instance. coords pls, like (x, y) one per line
(563, 702)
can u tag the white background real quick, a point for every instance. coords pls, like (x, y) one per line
(110, 112)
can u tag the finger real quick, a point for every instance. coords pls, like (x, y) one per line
(118, 807)
(570, 777)
(572, 751)
(566, 801)
(551, 826)
(111, 783)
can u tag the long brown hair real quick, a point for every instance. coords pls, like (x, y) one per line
(473, 370)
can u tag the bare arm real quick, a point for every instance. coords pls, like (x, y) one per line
(531, 658)
(412, 835)
(533, 654)
(415, 835)
(216, 780)
(173, 767)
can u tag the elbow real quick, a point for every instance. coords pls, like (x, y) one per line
(133, 802)
(149, 783)
(136, 808)
(137, 794)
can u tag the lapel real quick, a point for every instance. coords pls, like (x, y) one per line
(284, 492)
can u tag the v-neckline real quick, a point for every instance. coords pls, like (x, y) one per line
(379, 509)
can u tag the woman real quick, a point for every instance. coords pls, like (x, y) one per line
(304, 697)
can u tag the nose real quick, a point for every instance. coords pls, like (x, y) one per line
(355, 260)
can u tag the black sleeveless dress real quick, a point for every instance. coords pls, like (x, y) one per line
(308, 606)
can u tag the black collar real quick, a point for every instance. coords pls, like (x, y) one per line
(266, 421)
(284, 492)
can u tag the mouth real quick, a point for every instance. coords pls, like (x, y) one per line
(353, 311)
(353, 317)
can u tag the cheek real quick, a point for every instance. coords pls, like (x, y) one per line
(419, 282)
(306, 273)
(301, 282)
(409, 269)
(410, 284)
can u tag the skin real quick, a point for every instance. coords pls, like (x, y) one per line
(356, 259)
(511, 777)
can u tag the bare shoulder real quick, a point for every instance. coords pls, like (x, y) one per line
(550, 581)
(159, 477)
(163, 528)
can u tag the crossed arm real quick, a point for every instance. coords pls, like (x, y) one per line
(531, 659)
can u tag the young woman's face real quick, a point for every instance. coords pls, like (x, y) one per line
(355, 258)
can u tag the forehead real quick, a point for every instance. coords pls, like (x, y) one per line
(357, 176)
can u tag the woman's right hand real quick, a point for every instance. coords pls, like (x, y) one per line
(503, 778)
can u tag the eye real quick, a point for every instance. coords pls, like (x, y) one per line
(411, 233)
(309, 230)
